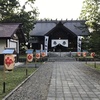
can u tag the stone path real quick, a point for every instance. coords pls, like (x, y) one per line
(61, 81)
(73, 81)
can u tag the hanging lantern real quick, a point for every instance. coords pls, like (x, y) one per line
(84, 54)
(9, 62)
(29, 57)
(92, 54)
(79, 54)
(37, 55)
(43, 54)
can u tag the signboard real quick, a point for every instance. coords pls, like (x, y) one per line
(9, 62)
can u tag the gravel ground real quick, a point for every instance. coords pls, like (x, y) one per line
(35, 88)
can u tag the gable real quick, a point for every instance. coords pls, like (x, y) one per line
(7, 30)
(60, 31)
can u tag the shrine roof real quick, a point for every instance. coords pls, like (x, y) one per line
(7, 30)
(42, 27)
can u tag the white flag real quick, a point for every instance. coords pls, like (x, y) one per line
(46, 44)
(79, 44)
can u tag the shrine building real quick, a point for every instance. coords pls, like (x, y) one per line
(58, 35)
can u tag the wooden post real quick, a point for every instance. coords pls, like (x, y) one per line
(86, 60)
(26, 68)
(4, 77)
(35, 61)
(94, 63)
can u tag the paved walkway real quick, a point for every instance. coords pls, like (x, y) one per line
(61, 81)
(74, 81)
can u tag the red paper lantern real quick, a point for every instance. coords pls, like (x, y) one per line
(79, 54)
(43, 54)
(37, 55)
(84, 54)
(9, 62)
(29, 57)
(92, 54)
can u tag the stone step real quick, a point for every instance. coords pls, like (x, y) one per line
(61, 59)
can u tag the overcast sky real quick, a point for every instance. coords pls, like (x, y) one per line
(58, 9)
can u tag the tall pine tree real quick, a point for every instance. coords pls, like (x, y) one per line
(91, 13)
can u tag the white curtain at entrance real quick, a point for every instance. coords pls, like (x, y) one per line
(62, 42)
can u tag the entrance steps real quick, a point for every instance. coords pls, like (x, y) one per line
(60, 56)
(61, 59)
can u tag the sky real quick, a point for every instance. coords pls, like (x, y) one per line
(58, 9)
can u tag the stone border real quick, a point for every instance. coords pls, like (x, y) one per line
(20, 85)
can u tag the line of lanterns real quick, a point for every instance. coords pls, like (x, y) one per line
(84, 54)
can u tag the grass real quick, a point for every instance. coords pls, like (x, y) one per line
(97, 67)
(84, 57)
(22, 56)
(13, 79)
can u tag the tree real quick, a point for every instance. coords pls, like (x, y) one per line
(91, 13)
(12, 11)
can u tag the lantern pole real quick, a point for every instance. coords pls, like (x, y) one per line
(94, 62)
(35, 61)
(26, 68)
(4, 85)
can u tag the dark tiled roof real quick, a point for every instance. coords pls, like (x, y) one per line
(77, 27)
(8, 29)
(43, 27)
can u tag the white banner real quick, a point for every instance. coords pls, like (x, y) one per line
(79, 44)
(41, 46)
(46, 44)
(62, 42)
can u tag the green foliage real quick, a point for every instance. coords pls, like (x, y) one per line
(12, 11)
(7, 8)
(85, 43)
(91, 13)
(94, 42)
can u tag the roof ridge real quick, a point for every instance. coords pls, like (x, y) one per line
(57, 21)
